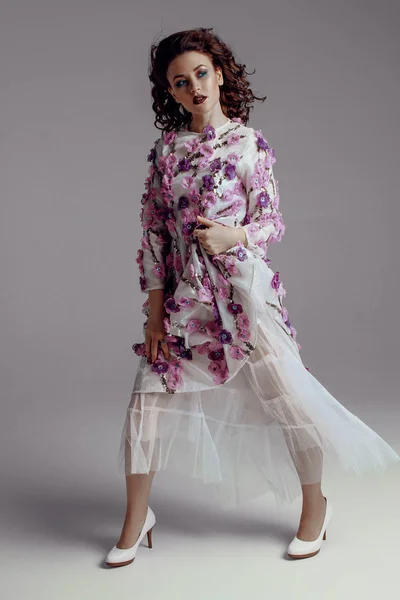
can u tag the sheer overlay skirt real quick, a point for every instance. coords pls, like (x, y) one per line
(271, 429)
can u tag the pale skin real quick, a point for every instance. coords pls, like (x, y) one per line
(191, 74)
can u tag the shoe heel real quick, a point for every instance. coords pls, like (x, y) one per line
(149, 539)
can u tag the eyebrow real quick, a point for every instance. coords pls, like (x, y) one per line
(181, 75)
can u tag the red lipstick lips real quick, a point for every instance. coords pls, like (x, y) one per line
(199, 99)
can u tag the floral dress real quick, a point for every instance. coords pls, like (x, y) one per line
(234, 405)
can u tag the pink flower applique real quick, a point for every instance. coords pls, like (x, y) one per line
(232, 158)
(187, 182)
(228, 195)
(222, 292)
(193, 144)
(238, 188)
(186, 302)
(236, 352)
(219, 370)
(145, 243)
(178, 263)
(171, 226)
(169, 261)
(193, 325)
(194, 196)
(159, 270)
(233, 138)
(209, 199)
(222, 280)
(244, 335)
(170, 137)
(212, 328)
(243, 321)
(205, 295)
(171, 161)
(203, 348)
(206, 150)
(230, 265)
(166, 324)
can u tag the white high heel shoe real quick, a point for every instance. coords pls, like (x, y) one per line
(302, 549)
(118, 557)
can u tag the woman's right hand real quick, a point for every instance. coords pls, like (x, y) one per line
(155, 333)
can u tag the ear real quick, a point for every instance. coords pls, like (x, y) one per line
(220, 77)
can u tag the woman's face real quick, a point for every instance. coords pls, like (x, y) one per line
(192, 74)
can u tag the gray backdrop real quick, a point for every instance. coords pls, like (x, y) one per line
(76, 125)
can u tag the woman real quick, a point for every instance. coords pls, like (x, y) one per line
(223, 395)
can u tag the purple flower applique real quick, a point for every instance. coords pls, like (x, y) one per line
(208, 182)
(186, 353)
(275, 281)
(241, 254)
(151, 156)
(183, 202)
(215, 165)
(171, 306)
(263, 199)
(184, 164)
(188, 228)
(230, 171)
(159, 366)
(209, 132)
(225, 337)
(247, 219)
(261, 142)
(235, 309)
(142, 281)
(139, 349)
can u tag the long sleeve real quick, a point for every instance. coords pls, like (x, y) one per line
(155, 241)
(263, 221)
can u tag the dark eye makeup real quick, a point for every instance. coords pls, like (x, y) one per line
(183, 80)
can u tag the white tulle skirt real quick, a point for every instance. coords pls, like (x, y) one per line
(270, 429)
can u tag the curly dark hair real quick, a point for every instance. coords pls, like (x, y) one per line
(236, 97)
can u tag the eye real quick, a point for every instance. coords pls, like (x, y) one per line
(202, 73)
(179, 82)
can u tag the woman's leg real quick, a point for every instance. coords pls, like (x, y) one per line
(313, 512)
(302, 437)
(137, 493)
(309, 468)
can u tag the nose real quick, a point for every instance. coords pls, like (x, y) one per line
(195, 88)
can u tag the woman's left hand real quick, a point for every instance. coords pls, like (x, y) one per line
(217, 238)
